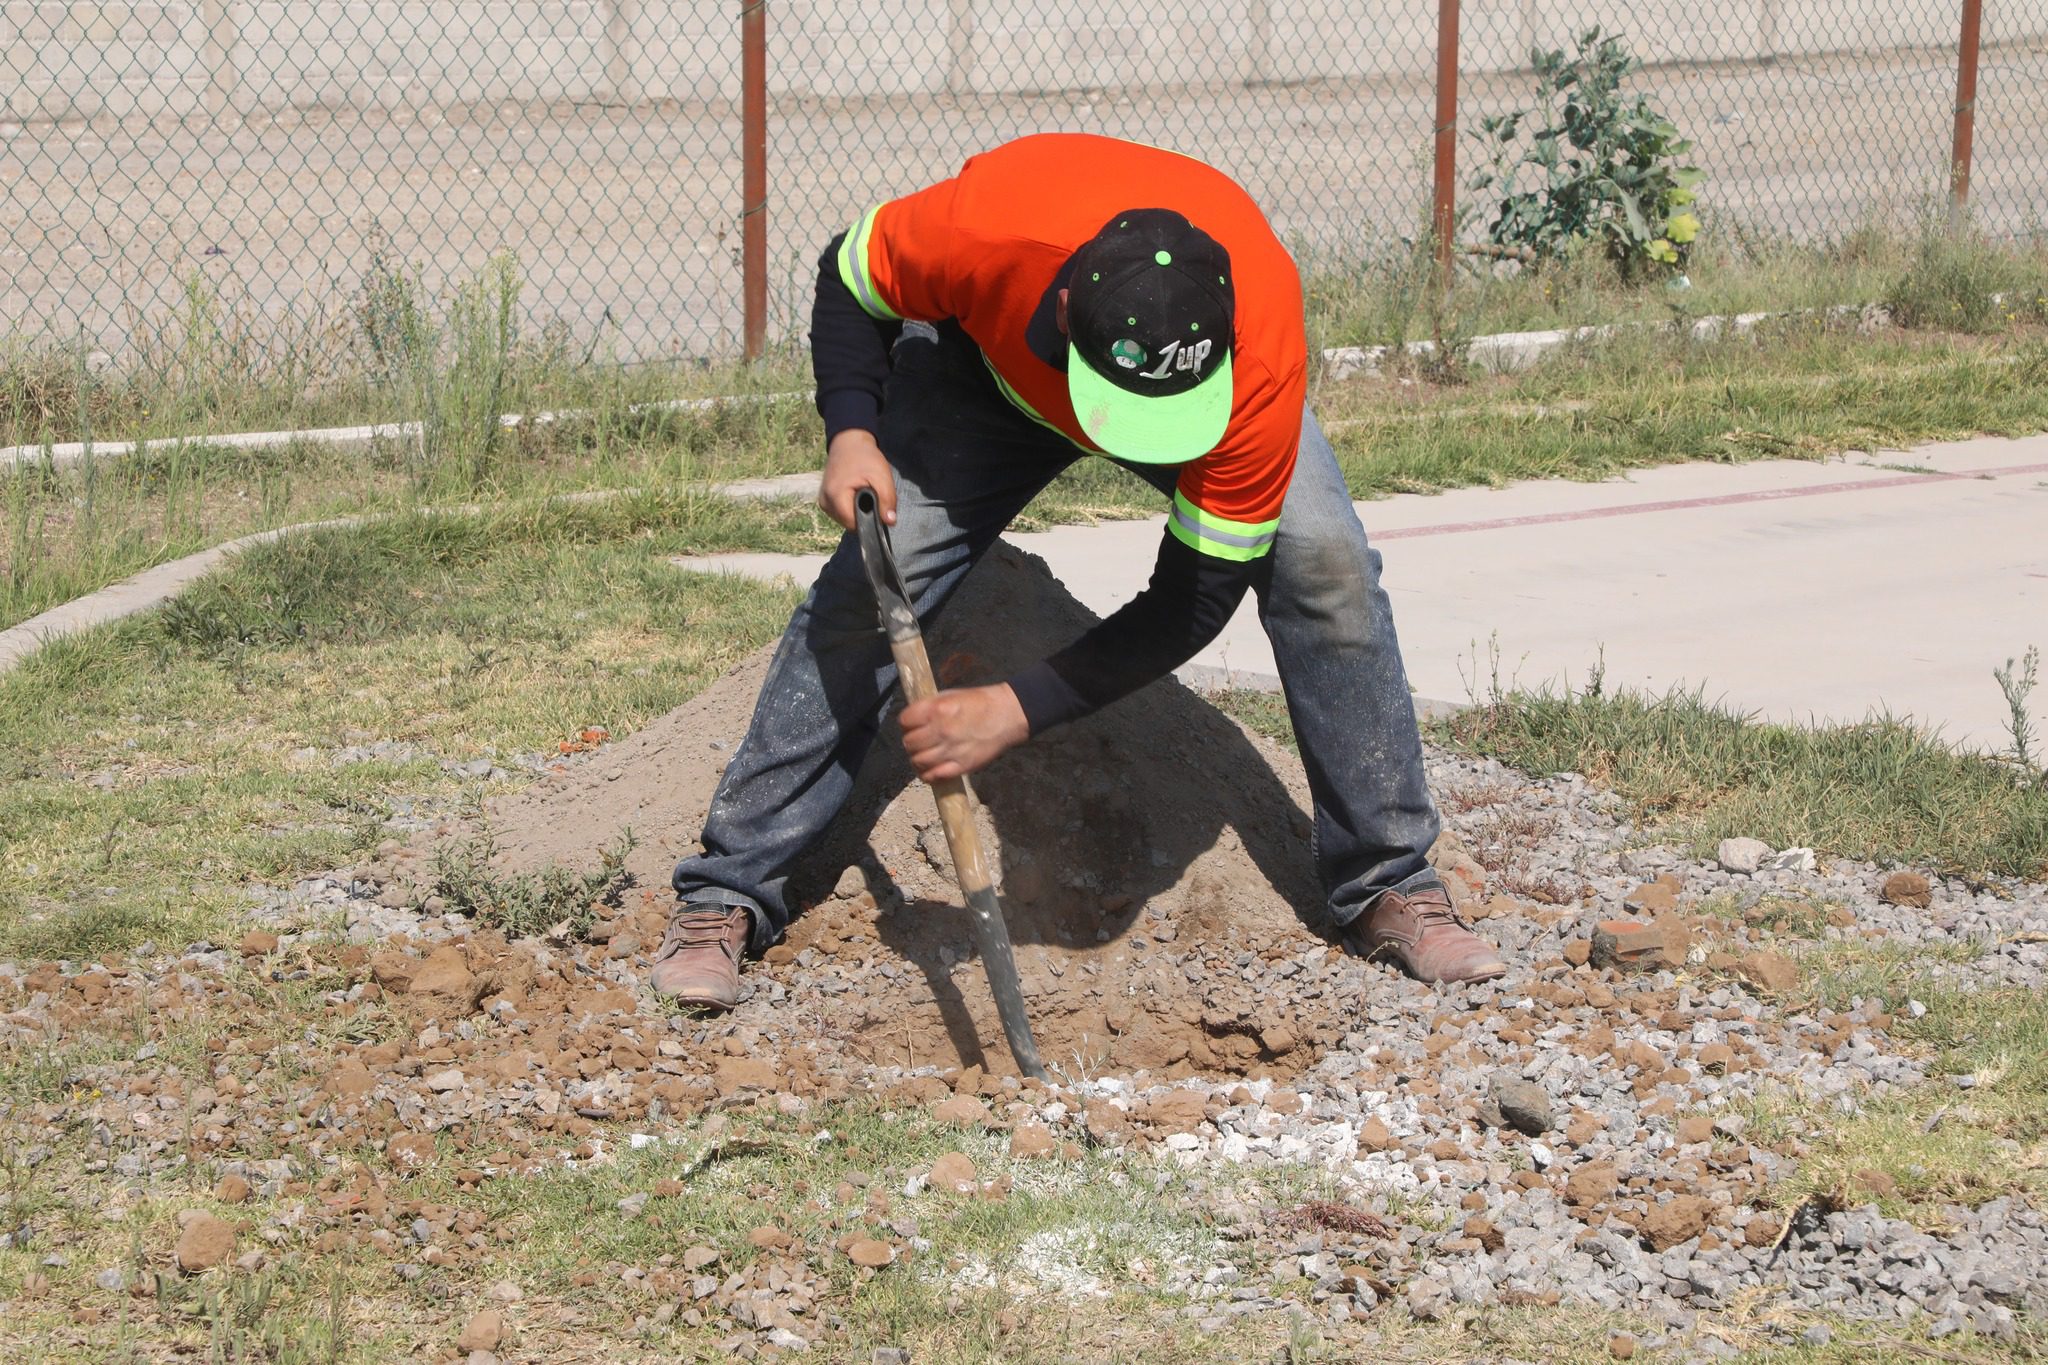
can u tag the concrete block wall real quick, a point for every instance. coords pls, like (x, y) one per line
(328, 54)
(1725, 30)
(152, 58)
(143, 59)
(1026, 47)
(843, 49)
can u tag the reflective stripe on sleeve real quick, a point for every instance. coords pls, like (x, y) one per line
(1217, 536)
(853, 269)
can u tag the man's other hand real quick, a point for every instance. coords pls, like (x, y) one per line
(852, 462)
(962, 730)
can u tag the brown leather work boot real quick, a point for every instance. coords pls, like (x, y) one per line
(1421, 932)
(699, 962)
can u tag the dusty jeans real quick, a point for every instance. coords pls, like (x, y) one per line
(966, 462)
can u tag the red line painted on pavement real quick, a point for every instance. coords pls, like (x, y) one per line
(1816, 490)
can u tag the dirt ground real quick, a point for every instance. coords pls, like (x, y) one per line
(1125, 841)
(1677, 1138)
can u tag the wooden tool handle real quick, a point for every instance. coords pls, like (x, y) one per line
(956, 802)
(970, 865)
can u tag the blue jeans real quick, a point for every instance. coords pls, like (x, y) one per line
(966, 462)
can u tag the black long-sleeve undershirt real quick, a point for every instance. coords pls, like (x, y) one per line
(849, 352)
(1190, 598)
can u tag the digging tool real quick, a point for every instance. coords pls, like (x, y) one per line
(956, 801)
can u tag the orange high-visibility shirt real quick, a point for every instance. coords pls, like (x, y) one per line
(983, 248)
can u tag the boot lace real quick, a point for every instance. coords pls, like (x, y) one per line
(1431, 912)
(698, 929)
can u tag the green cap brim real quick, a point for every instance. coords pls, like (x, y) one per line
(1170, 429)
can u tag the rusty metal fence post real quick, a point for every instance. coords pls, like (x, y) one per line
(1966, 105)
(754, 174)
(1444, 200)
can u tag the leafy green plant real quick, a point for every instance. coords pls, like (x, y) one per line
(555, 900)
(2017, 687)
(483, 330)
(393, 324)
(1960, 280)
(1596, 166)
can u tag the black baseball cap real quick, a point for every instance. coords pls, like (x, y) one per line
(1150, 315)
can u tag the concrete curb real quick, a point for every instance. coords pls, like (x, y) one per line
(1501, 352)
(65, 454)
(1498, 352)
(151, 588)
(160, 583)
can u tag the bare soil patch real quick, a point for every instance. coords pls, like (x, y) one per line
(1153, 836)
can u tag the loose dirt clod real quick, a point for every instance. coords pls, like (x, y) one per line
(1908, 889)
(205, 1242)
(1678, 1219)
(1769, 971)
(871, 1253)
(482, 1332)
(1031, 1140)
(954, 1172)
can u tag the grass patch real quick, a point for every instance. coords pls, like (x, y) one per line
(1915, 1149)
(459, 364)
(1589, 411)
(1263, 713)
(152, 771)
(555, 901)
(1799, 390)
(1880, 790)
(1929, 273)
(384, 349)
(1779, 916)
(1070, 1231)
(64, 532)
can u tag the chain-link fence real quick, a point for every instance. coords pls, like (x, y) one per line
(274, 152)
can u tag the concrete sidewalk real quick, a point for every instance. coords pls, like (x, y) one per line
(1802, 591)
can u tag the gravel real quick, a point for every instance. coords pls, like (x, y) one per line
(1523, 1141)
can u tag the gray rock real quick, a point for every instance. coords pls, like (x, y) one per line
(113, 1279)
(1742, 855)
(1519, 1104)
(1429, 1299)
(1791, 860)
(1816, 1336)
(2000, 1282)
(1995, 1321)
